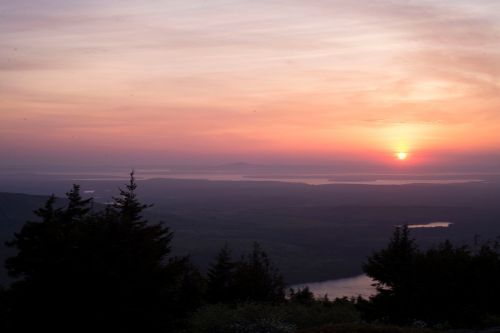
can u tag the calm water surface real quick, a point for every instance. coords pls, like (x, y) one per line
(430, 225)
(304, 178)
(360, 285)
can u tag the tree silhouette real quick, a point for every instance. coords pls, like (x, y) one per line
(256, 279)
(42, 245)
(393, 269)
(112, 269)
(302, 296)
(77, 208)
(127, 205)
(444, 284)
(220, 275)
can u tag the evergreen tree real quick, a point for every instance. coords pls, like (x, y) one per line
(303, 296)
(48, 213)
(392, 267)
(394, 272)
(445, 283)
(128, 206)
(220, 275)
(109, 270)
(77, 208)
(256, 279)
(40, 243)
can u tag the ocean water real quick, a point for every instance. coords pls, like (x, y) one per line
(308, 175)
(311, 179)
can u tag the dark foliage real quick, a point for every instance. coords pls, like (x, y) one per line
(445, 285)
(285, 317)
(77, 208)
(257, 279)
(251, 279)
(302, 296)
(75, 269)
(393, 269)
(364, 328)
(220, 277)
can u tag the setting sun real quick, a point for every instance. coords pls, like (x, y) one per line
(402, 156)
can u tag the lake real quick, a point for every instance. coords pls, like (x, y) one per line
(355, 286)
(430, 225)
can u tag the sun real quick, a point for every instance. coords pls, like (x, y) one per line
(402, 155)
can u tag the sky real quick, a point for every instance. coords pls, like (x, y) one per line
(274, 81)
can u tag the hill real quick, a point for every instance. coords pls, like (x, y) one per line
(313, 233)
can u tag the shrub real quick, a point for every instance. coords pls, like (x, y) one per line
(245, 318)
(260, 317)
(363, 328)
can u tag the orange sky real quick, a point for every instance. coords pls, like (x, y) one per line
(293, 80)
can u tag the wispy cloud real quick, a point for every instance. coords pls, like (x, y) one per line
(283, 73)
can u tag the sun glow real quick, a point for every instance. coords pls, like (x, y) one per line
(402, 155)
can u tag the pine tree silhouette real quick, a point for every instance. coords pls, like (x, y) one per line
(256, 279)
(220, 275)
(77, 208)
(109, 270)
(128, 206)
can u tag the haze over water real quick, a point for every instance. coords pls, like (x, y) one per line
(248, 172)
